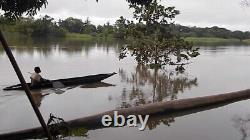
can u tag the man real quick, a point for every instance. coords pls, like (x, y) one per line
(36, 78)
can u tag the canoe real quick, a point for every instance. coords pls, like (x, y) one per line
(65, 82)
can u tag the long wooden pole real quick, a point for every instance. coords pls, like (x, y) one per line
(175, 108)
(24, 84)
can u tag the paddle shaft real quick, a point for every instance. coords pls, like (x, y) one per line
(24, 84)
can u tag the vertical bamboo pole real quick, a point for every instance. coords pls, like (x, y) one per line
(24, 85)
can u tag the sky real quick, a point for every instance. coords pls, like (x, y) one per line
(230, 14)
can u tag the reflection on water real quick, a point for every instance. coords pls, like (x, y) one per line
(38, 95)
(46, 47)
(243, 126)
(153, 123)
(135, 85)
(149, 86)
(96, 85)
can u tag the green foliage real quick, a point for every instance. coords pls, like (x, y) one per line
(45, 27)
(140, 2)
(212, 40)
(99, 29)
(42, 27)
(76, 36)
(57, 127)
(80, 132)
(240, 35)
(58, 32)
(151, 40)
(24, 26)
(89, 28)
(106, 31)
(247, 41)
(15, 8)
(120, 28)
(71, 24)
(215, 31)
(74, 25)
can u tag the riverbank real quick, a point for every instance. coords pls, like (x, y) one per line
(216, 41)
(88, 37)
(77, 36)
(211, 41)
(195, 40)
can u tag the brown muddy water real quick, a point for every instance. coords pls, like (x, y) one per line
(218, 69)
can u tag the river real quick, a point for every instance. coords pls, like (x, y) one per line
(219, 69)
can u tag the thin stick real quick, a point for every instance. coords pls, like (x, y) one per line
(24, 84)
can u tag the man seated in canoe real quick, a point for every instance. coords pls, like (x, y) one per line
(36, 78)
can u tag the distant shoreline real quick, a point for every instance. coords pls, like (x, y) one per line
(206, 41)
(195, 40)
(216, 41)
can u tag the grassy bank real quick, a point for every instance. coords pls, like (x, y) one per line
(212, 40)
(247, 41)
(196, 40)
(217, 41)
(205, 41)
(88, 37)
(77, 36)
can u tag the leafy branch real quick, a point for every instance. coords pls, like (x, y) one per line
(151, 40)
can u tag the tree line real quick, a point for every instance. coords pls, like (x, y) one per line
(214, 31)
(46, 26)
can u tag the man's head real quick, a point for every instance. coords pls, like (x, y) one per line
(37, 69)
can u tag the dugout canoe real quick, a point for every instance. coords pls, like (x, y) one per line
(65, 82)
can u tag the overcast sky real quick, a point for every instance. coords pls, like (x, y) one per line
(204, 13)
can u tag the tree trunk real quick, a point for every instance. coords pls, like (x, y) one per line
(170, 108)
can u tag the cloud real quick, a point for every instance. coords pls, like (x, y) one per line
(223, 13)
(87, 8)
